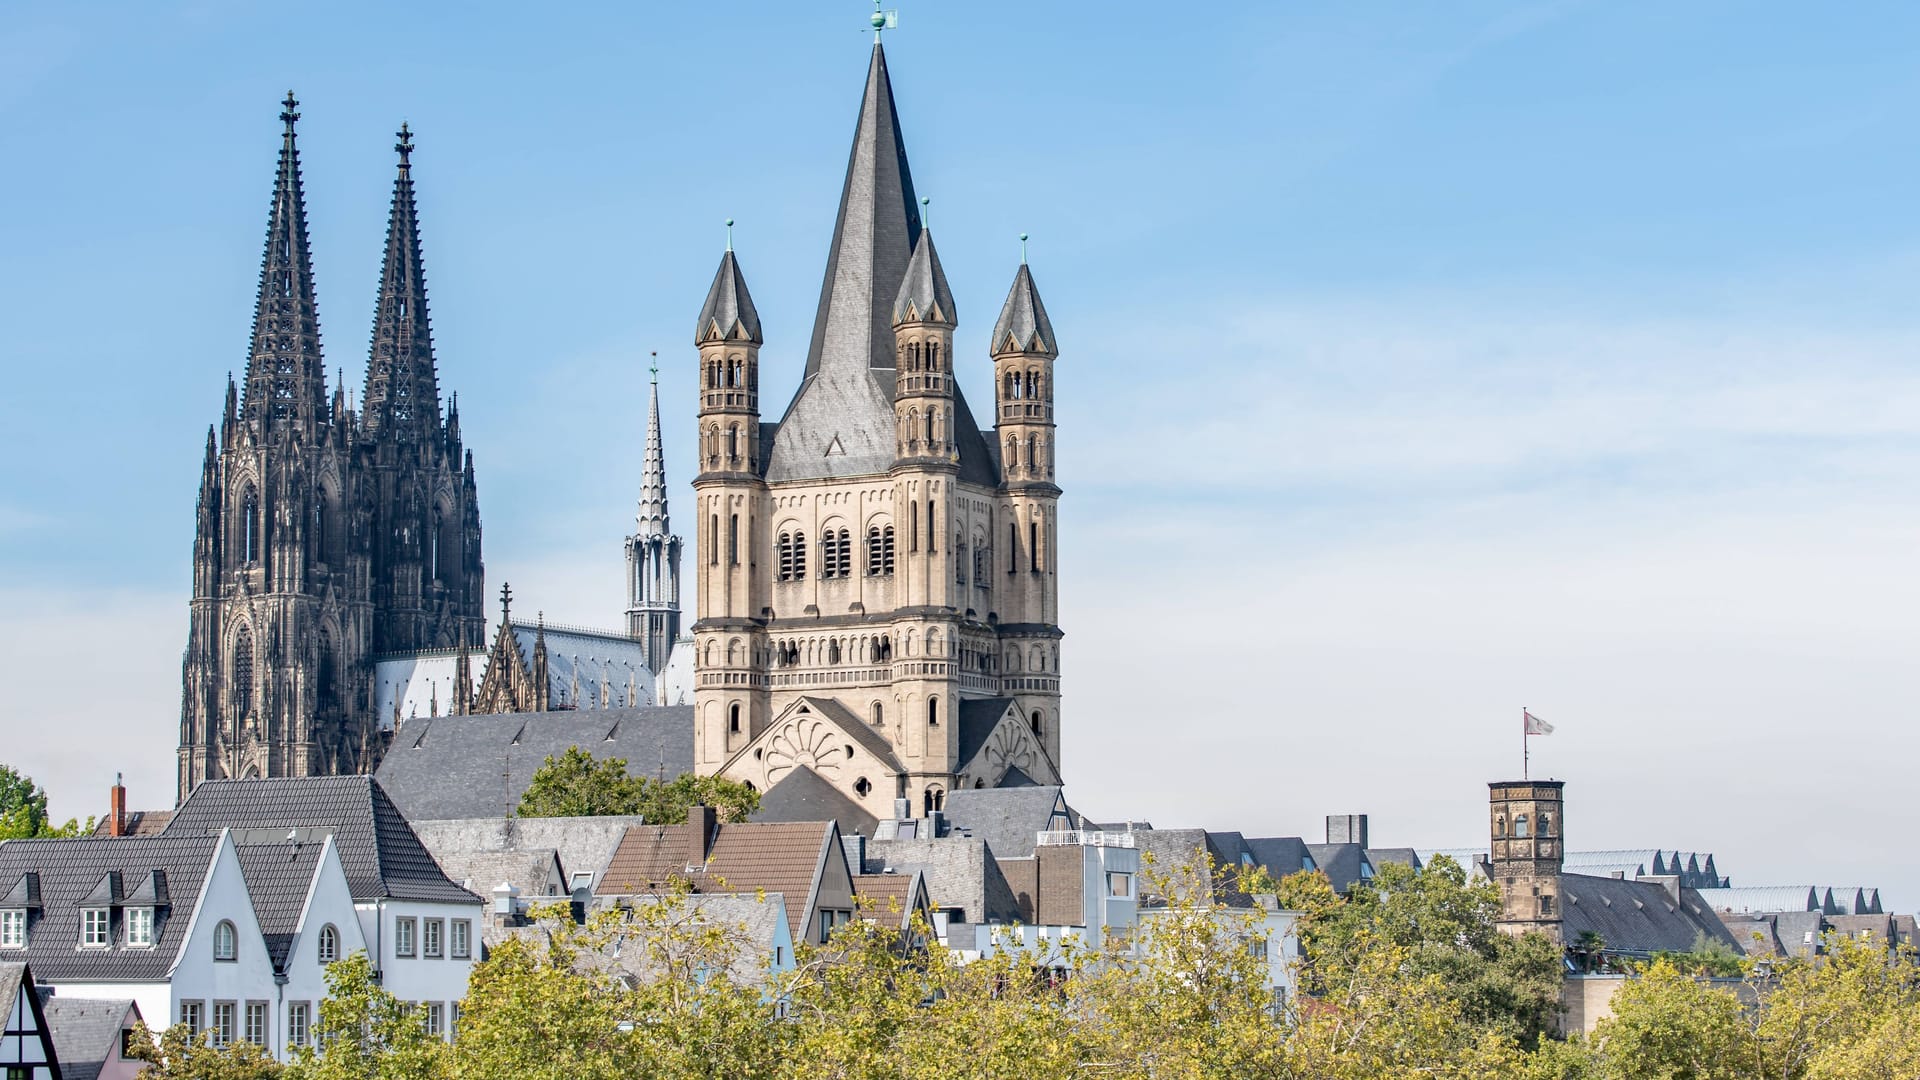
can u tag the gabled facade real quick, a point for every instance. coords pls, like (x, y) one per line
(878, 590)
(27, 1050)
(323, 538)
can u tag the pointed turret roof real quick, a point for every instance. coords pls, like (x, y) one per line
(286, 376)
(402, 401)
(728, 312)
(653, 480)
(1023, 326)
(924, 296)
(873, 236)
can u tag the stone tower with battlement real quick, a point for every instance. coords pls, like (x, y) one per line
(1526, 853)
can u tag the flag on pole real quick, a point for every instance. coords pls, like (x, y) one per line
(1534, 725)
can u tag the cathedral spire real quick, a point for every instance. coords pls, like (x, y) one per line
(873, 236)
(286, 377)
(402, 401)
(1023, 326)
(652, 518)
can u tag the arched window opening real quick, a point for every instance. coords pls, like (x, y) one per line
(1500, 825)
(1520, 825)
(878, 715)
(1546, 824)
(713, 539)
(934, 799)
(1036, 722)
(843, 556)
(833, 651)
(324, 673)
(1033, 453)
(733, 717)
(733, 442)
(243, 673)
(933, 703)
(329, 944)
(929, 420)
(250, 527)
(226, 943)
(959, 559)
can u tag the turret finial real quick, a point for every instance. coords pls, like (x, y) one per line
(926, 211)
(1023, 249)
(405, 145)
(288, 115)
(654, 366)
(882, 20)
(729, 234)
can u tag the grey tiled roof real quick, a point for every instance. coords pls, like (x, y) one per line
(279, 877)
(960, 872)
(924, 294)
(478, 766)
(86, 1031)
(1765, 898)
(978, 718)
(70, 869)
(728, 311)
(583, 844)
(1009, 819)
(802, 795)
(1637, 918)
(1343, 864)
(378, 850)
(1282, 855)
(1399, 856)
(1023, 325)
(532, 872)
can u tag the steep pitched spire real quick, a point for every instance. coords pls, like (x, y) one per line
(728, 313)
(403, 392)
(286, 377)
(1023, 326)
(924, 296)
(653, 481)
(873, 237)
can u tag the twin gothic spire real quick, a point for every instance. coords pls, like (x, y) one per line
(286, 387)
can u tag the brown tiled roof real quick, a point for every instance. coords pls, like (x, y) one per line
(782, 857)
(139, 823)
(884, 898)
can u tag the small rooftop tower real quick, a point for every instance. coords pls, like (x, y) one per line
(1525, 854)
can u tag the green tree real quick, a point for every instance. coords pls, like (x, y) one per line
(174, 1054)
(577, 784)
(365, 1033)
(1667, 1025)
(23, 810)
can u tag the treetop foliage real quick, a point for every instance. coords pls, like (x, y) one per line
(577, 784)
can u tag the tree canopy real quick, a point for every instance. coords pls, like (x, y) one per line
(577, 784)
(23, 810)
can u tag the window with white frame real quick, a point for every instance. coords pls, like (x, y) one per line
(193, 1017)
(453, 1019)
(139, 927)
(222, 1023)
(436, 1017)
(256, 1029)
(13, 928)
(462, 939)
(226, 942)
(297, 1023)
(431, 937)
(403, 930)
(93, 928)
(329, 944)
(1119, 885)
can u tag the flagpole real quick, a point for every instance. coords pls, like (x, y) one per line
(1526, 748)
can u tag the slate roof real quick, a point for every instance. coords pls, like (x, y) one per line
(802, 795)
(1637, 918)
(855, 728)
(86, 1031)
(978, 718)
(1023, 320)
(782, 857)
(1343, 864)
(532, 872)
(479, 766)
(924, 295)
(960, 873)
(138, 823)
(728, 312)
(1398, 856)
(1765, 898)
(583, 844)
(1010, 818)
(755, 918)
(279, 877)
(1282, 855)
(70, 869)
(378, 849)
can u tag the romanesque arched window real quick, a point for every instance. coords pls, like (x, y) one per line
(1036, 722)
(1012, 463)
(243, 673)
(933, 703)
(1033, 453)
(733, 717)
(833, 651)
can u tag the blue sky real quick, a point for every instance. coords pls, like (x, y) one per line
(1420, 361)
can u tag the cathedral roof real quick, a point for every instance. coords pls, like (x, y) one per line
(924, 296)
(840, 422)
(1023, 325)
(728, 313)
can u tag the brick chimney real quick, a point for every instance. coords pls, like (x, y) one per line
(117, 808)
(700, 821)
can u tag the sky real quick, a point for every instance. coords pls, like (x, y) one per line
(1420, 363)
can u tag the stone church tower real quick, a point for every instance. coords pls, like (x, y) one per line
(653, 554)
(1526, 853)
(877, 581)
(322, 538)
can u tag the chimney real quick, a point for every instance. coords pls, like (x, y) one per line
(1347, 829)
(117, 808)
(855, 848)
(700, 821)
(902, 809)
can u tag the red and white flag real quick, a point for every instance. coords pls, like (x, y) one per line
(1533, 725)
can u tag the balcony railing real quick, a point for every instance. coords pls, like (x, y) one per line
(1083, 838)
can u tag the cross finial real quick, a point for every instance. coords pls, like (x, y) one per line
(729, 234)
(506, 600)
(287, 114)
(1023, 249)
(655, 366)
(405, 145)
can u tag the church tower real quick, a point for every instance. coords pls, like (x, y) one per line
(877, 602)
(275, 678)
(653, 553)
(1526, 854)
(322, 538)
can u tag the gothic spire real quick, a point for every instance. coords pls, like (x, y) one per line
(873, 236)
(728, 313)
(403, 395)
(286, 377)
(924, 295)
(1023, 326)
(653, 481)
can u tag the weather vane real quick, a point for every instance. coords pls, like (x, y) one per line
(883, 20)
(655, 365)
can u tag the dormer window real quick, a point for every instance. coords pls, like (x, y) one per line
(139, 927)
(13, 928)
(226, 943)
(93, 928)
